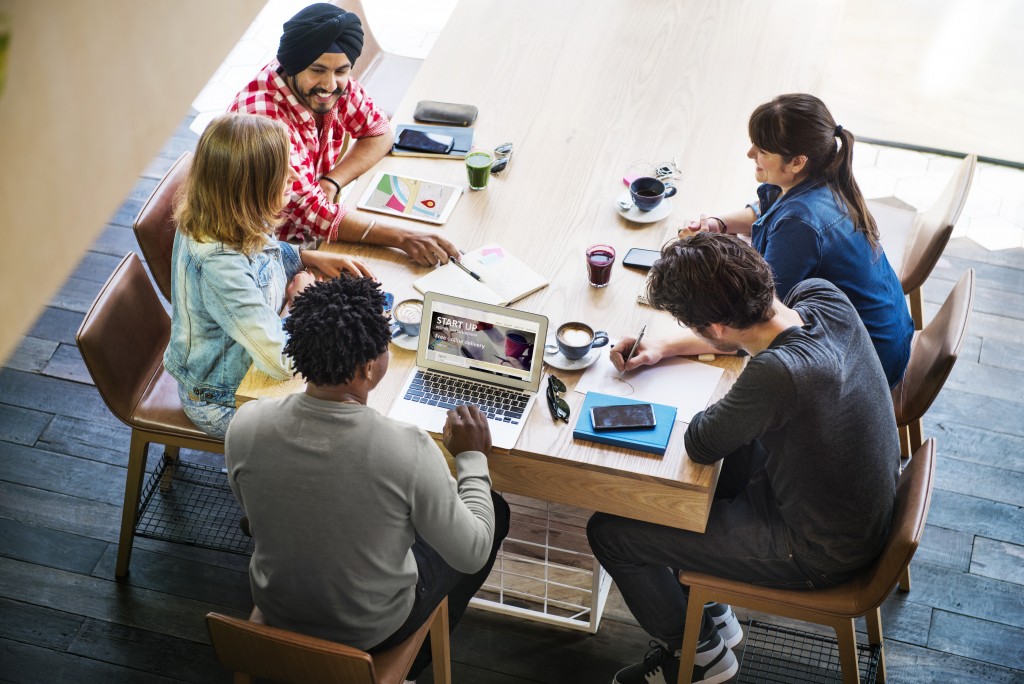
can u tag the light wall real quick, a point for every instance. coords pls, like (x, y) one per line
(93, 90)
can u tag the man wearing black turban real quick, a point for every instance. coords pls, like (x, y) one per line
(309, 88)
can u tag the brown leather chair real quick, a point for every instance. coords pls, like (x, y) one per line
(122, 341)
(914, 242)
(251, 648)
(154, 227)
(836, 606)
(932, 356)
(385, 75)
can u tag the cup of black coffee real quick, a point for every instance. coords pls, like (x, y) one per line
(408, 314)
(647, 192)
(575, 340)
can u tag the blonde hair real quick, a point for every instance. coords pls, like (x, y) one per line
(234, 189)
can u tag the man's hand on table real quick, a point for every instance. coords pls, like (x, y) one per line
(427, 249)
(466, 430)
(647, 354)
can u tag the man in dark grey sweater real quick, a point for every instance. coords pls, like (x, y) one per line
(807, 438)
(360, 528)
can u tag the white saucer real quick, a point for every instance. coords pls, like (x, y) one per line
(636, 216)
(404, 341)
(556, 360)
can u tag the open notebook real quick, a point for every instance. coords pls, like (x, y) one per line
(503, 278)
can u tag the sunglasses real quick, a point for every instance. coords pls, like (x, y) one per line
(556, 404)
(502, 153)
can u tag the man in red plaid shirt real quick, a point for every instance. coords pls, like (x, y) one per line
(309, 88)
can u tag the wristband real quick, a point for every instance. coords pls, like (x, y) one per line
(724, 228)
(366, 232)
(337, 187)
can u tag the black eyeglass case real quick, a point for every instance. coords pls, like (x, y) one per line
(428, 111)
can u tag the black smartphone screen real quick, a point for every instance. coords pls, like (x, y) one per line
(435, 143)
(641, 258)
(621, 416)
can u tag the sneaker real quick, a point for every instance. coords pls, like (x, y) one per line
(715, 663)
(726, 622)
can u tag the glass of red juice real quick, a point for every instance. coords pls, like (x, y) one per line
(599, 264)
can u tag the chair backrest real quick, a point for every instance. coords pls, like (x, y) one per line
(933, 227)
(913, 497)
(372, 50)
(282, 656)
(123, 336)
(154, 227)
(934, 352)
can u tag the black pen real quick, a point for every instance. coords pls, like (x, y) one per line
(464, 268)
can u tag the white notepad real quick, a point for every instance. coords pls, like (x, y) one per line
(503, 277)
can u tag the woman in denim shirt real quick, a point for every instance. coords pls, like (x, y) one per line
(811, 221)
(230, 281)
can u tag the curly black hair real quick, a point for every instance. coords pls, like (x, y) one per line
(712, 278)
(335, 327)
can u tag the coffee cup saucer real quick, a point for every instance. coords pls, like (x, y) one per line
(407, 342)
(557, 360)
(635, 215)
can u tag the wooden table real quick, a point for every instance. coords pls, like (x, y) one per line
(589, 90)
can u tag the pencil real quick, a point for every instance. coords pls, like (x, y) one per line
(632, 350)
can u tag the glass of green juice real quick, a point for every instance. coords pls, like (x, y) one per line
(478, 168)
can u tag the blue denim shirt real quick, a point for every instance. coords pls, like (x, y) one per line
(226, 315)
(807, 233)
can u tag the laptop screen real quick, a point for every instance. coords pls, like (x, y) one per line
(482, 341)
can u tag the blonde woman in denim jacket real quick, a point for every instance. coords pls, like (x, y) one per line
(231, 282)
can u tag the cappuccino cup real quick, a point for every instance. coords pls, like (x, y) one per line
(408, 314)
(574, 340)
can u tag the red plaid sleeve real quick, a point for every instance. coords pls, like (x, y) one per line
(360, 117)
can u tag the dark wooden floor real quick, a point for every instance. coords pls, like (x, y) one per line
(62, 457)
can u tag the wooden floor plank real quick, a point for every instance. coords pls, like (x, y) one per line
(961, 406)
(21, 425)
(52, 395)
(95, 266)
(990, 642)
(948, 548)
(975, 445)
(31, 355)
(998, 560)
(76, 477)
(56, 324)
(103, 599)
(909, 664)
(29, 664)
(45, 627)
(977, 515)
(104, 442)
(975, 479)
(966, 594)
(1003, 354)
(67, 364)
(48, 547)
(146, 651)
(60, 512)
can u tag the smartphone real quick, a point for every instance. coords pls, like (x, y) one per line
(622, 416)
(641, 258)
(419, 141)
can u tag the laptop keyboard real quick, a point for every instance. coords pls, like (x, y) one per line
(446, 391)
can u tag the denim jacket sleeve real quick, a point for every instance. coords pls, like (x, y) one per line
(290, 258)
(793, 250)
(234, 300)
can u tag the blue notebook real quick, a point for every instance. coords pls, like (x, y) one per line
(652, 440)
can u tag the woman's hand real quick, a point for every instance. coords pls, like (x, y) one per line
(300, 282)
(712, 225)
(332, 265)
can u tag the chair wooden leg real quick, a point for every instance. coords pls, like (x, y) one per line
(905, 451)
(905, 579)
(915, 433)
(874, 625)
(132, 494)
(917, 308)
(847, 638)
(171, 459)
(440, 647)
(691, 633)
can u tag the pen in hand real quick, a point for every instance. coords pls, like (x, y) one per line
(632, 350)
(464, 268)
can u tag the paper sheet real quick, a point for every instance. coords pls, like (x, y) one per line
(685, 384)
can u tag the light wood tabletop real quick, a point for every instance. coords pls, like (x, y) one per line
(589, 91)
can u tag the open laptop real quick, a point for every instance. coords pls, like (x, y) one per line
(474, 353)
